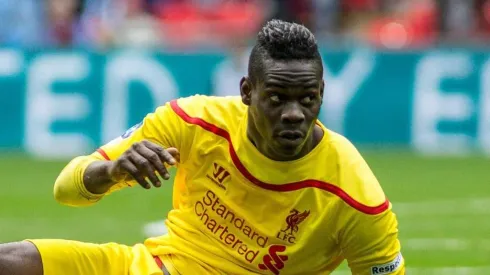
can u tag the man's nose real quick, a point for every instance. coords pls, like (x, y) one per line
(292, 113)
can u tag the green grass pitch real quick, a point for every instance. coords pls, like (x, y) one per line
(442, 204)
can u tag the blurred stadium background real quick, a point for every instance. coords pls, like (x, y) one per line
(408, 81)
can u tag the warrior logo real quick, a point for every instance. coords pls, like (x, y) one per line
(292, 221)
(218, 175)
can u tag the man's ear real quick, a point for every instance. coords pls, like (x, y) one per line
(246, 90)
(322, 88)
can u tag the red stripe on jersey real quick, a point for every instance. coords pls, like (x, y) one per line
(158, 261)
(372, 210)
(103, 153)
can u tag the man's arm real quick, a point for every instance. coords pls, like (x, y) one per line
(69, 188)
(85, 180)
(97, 178)
(370, 244)
(137, 157)
(142, 161)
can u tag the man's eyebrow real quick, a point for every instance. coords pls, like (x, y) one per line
(311, 85)
(308, 85)
(274, 85)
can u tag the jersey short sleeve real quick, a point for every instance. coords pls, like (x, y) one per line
(369, 229)
(370, 244)
(163, 127)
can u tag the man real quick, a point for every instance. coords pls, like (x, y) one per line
(262, 187)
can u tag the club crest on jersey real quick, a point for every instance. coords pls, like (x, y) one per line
(131, 130)
(293, 221)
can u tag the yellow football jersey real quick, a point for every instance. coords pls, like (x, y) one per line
(237, 212)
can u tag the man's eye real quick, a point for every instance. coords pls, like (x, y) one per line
(307, 100)
(275, 98)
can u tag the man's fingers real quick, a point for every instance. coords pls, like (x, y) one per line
(155, 161)
(174, 152)
(145, 167)
(164, 155)
(131, 169)
(145, 159)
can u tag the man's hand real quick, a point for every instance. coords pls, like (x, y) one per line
(143, 161)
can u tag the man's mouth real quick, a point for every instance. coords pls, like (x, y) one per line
(291, 135)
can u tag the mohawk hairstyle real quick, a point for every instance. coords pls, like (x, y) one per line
(284, 41)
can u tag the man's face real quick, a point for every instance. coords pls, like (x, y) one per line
(284, 105)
